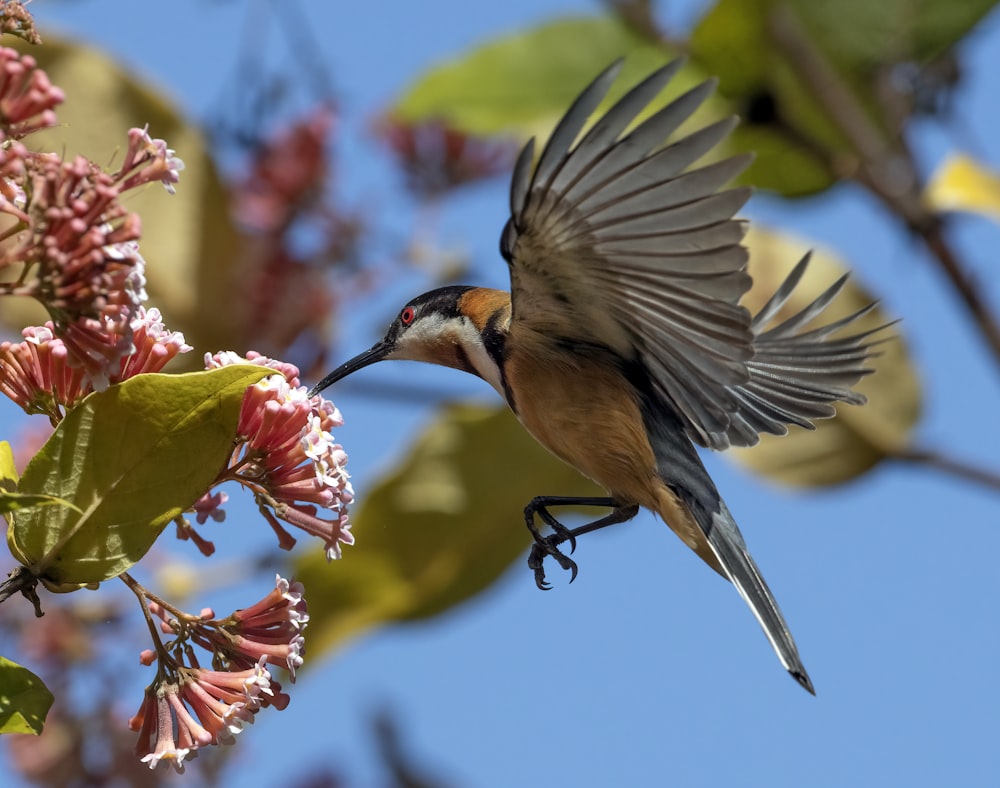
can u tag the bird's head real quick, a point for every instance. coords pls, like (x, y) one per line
(460, 327)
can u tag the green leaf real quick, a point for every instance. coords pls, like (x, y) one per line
(24, 699)
(13, 501)
(521, 84)
(439, 528)
(759, 49)
(863, 34)
(131, 458)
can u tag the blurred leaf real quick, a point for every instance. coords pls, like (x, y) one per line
(860, 436)
(860, 43)
(521, 84)
(862, 34)
(24, 699)
(963, 184)
(132, 458)
(188, 241)
(439, 528)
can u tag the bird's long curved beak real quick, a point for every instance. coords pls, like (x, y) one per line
(375, 353)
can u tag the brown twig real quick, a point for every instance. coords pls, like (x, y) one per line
(21, 580)
(941, 462)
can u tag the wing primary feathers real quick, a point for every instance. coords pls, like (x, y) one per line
(796, 375)
(605, 131)
(781, 295)
(568, 129)
(634, 149)
(520, 184)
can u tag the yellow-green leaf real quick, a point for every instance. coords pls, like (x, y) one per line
(437, 529)
(24, 699)
(859, 436)
(131, 459)
(961, 183)
(520, 84)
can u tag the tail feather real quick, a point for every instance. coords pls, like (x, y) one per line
(702, 520)
(731, 551)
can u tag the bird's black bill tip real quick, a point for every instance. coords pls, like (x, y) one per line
(804, 681)
(372, 355)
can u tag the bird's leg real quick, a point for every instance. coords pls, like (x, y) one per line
(549, 545)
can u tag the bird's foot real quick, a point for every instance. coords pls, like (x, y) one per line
(549, 546)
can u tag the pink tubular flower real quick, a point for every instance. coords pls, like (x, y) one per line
(77, 244)
(154, 345)
(148, 160)
(155, 724)
(210, 506)
(39, 376)
(270, 630)
(288, 458)
(224, 358)
(27, 97)
(80, 253)
(187, 706)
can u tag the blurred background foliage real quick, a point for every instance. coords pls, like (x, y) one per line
(264, 253)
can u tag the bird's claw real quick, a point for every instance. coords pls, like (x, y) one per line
(564, 534)
(547, 547)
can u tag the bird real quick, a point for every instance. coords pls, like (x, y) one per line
(622, 344)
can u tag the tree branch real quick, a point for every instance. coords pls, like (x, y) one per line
(940, 462)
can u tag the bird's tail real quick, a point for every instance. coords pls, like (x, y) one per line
(731, 551)
(723, 548)
(693, 508)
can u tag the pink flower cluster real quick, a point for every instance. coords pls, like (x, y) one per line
(27, 97)
(70, 243)
(287, 456)
(39, 376)
(437, 158)
(187, 706)
(70, 235)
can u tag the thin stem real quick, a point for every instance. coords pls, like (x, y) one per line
(147, 594)
(142, 594)
(940, 462)
(13, 230)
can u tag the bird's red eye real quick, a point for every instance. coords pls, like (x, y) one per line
(407, 315)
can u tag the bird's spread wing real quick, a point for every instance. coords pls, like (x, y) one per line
(797, 372)
(613, 241)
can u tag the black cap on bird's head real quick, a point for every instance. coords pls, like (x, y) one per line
(432, 327)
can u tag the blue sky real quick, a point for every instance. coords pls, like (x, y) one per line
(649, 670)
